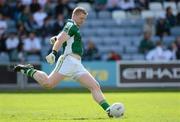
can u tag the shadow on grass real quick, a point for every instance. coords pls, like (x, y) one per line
(76, 118)
(89, 118)
(83, 90)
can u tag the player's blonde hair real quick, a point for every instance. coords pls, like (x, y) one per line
(78, 10)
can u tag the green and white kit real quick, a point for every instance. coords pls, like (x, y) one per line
(67, 64)
(74, 44)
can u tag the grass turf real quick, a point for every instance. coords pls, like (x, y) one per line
(74, 107)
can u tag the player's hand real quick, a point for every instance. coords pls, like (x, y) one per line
(50, 58)
(53, 40)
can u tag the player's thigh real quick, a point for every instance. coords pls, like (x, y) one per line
(88, 81)
(55, 77)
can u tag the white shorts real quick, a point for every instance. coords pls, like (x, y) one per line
(70, 66)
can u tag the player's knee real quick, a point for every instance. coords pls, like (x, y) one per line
(48, 85)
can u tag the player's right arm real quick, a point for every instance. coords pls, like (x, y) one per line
(59, 40)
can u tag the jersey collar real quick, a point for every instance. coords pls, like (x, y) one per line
(74, 22)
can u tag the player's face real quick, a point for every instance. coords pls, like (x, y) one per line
(80, 19)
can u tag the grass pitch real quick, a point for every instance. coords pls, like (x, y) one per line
(75, 107)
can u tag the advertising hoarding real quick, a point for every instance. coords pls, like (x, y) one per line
(143, 73)
(104, 73)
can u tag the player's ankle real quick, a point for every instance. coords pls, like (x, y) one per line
(30, 72)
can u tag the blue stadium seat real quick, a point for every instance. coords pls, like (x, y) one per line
(4, 58)
(110, 23)
(118, 49)
(45, 41)
(11, 30)
(170, 4)
(104, 49)
(97, 40)
(125, 41)
(178, 6)
(168, 40)
(131, 49)
(175, 31)
(133, 31)
(138, 56)
(104, 15)
(147, 14)
(109, 40)
(85, 25)
(103, 31)
(33, 58)
(133, 15)
(85, 39)
(45, 50)
(125, 23)
(85, 5)
(155, 39)
(11, 23)
(89, 32)
(126, 56)
(95, 23)
(160, 14)
(118, 15)
(135, 40)
(117, 31)
(91, 15)
(155, 6)
(138, 23)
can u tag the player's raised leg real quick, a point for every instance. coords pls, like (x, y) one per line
(89, 82)
(41, 77)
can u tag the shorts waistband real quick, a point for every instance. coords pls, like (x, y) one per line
(75, 56)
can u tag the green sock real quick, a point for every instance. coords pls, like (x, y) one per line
(30, 72)
(104, 104)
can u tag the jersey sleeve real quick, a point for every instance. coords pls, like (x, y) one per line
(70, 29)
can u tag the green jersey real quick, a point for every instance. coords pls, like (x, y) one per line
(74, 44)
